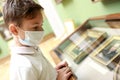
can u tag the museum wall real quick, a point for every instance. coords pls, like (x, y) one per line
(80, 10)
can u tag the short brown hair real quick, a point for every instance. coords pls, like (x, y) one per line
(16, 10)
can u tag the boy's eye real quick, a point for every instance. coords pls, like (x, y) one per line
(36, 28)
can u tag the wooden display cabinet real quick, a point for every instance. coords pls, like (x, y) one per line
(77, 47)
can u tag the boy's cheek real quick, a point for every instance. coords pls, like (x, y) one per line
(21, 34)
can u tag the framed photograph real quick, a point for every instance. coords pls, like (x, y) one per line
(107, 51)
(4, 31)
(58, 1)
(95, 0)
(1, 17)
(79, 45)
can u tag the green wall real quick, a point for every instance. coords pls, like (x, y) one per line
(46, 26)
(4, 49)
(80, 10)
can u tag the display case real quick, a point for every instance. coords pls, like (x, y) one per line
(90, 38)
(79, 45)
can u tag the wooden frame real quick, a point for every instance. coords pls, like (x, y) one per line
(108, 51)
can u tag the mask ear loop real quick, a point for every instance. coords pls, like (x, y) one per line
(19, 29)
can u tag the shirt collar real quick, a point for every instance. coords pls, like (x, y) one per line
(23, 50)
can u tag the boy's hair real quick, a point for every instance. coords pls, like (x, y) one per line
(16, 10)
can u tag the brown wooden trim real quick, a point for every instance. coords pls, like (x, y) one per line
(2, 60)
(106, 17)
(47, 37)
(55, 57)
(113, 16)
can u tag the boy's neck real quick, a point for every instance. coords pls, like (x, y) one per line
(17, 43)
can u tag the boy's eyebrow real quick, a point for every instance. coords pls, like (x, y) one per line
(38, 23)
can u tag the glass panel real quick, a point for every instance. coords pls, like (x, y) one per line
(87, 38)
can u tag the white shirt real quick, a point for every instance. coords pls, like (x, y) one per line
(28, 63)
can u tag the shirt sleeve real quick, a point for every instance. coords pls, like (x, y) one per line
(23, 73)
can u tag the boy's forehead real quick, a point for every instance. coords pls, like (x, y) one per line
(36, 20)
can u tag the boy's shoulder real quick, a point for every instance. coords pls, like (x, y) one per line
(20, 61)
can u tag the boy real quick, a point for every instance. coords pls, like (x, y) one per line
(24, 19)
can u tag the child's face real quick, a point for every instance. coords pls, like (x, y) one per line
(34, 24)
(31, 25)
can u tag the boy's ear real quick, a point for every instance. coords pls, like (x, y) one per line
(13, 29)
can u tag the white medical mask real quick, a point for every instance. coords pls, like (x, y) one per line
(32, 38)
